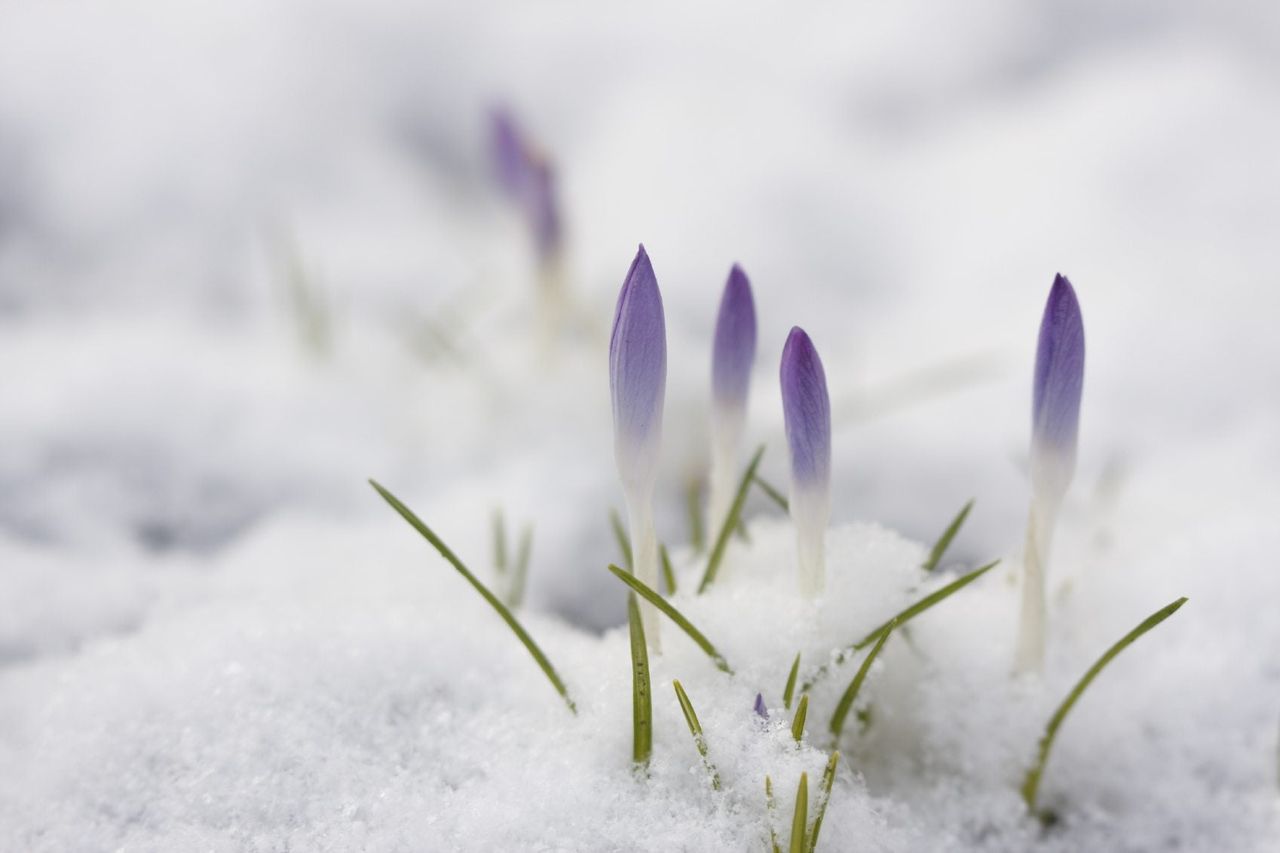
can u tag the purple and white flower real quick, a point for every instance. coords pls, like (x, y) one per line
(806, 408)
(732, 358)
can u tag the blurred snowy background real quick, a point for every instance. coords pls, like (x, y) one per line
(903, 180)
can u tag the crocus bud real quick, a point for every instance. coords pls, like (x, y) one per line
(731, 361)
(806, 409)
(508, 151)
(761, 710)
(526, 176)
(543, 211)
(1055, 421)
(637, 382)
(1055, 407)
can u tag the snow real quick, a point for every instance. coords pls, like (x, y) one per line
(214, 635)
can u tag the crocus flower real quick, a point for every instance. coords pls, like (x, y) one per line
(637, 383)
(731, 361)
(761, 711)
(526, 176)
(806, 409)
(508, 152)
(1055, 421)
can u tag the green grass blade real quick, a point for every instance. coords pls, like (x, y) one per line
(944, 541)
(824, 797)
(900, 619)
(1031, 784)
(791, 683)
(802, 712)
(693, 506)
(644, 591)
(773, 493)
(520, 574)
(620, 534)
(771, 809)
(695, 729)
(801, 816)
(641, 697)
(668, 574)
(851, 693)
(499, 542)
(730, 523)
(512, 622)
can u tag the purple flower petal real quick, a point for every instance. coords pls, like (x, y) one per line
(638, 372)
(807, 412)
(735, 343)
(760, 708)
(510, 160)
(526, 176)
(542, 209)
(1058, 382)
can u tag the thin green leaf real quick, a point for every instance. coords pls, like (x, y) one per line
(620, 534)
(851, 693)
(791, 683)
(802, 712)
(668, 574)
(693, 506)
(801, 816)
(771, 810)
(499, 542)
(647, 593)
(944, 541)
(641, 698)
(512, 622)
(695, 729)
(900, 619)
(773, 493)
(730, 522)
(1031, 784)
(521, 572)
(828, 780)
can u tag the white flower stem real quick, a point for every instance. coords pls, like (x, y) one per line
(1032, 626)
(723, 479)
(644, 559)
(811, 513)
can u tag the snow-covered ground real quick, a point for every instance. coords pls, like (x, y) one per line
(215, 636)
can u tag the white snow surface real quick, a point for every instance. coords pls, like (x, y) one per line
(215, 636)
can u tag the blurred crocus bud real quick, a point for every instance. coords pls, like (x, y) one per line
(1059, 379)
(526, 176)
(761, 710)
(731, 361)
(638, 375)
(508, 151)
(637, 382)
(543, 210)
(806, 409)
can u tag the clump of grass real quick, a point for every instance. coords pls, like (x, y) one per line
(730, 523)
(851, 693)
(944, 541)
(695, 729)
(1031, 784)
(641, 695)
(648, 594)
(494, 602)
(900, 619)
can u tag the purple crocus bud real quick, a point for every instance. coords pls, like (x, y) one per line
(1055, 407)
(510, 160)
(637, 382)
(731, 361)
(806, 409)
(638, 374)
(760, 709)
(543, 210)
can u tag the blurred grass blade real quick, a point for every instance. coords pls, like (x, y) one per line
(900, 619)
(695, 729)
(790, 689)
(801, 816)
(1031, 785)
(512, 622)
(944, 541)
(851, 693)
(645, 592)
(520, 574)
(668, 574)
(499, 542)
(771, 808)
(620, 534)
(730, 522)
(641, 698)
(772, 493)
(693, 506)
(802, 713)
(824, 797)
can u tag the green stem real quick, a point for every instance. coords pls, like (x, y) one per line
(730, 522)
(695, 729)
(801, 816)
(802, 713)
(647, 593)
(790, 689)
(773, 493)
(668, 574)
(851, 693)
(828, 779)
(641, 700)
(944, 541)
(620, 534)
